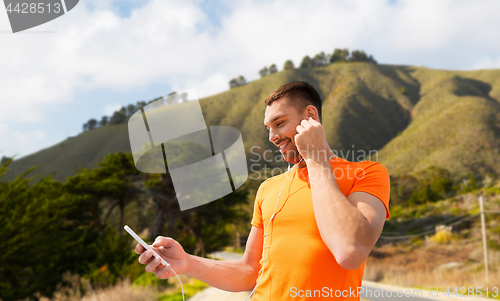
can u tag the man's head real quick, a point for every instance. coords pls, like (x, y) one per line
(286, 108)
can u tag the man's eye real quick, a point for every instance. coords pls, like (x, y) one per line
(280, 123)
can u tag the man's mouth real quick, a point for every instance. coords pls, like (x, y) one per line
(283, 145)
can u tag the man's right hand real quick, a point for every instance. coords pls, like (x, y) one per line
(170, 250)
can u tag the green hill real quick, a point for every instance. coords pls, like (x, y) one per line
(455, 125)
(415, 117)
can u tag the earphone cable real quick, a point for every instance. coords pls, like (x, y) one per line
(265, 234)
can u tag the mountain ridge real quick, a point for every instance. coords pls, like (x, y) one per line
(414, 117)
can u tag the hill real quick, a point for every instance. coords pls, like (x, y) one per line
(410, 118)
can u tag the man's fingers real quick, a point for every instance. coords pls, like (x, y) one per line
(146, 257)
(305, 123)
(163, 272)
(151, 267)
(139, 249)
(300, 129)
(163, 241)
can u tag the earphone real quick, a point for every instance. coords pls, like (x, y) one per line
(268, 224)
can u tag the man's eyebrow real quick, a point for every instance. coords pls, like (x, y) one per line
(276, 118)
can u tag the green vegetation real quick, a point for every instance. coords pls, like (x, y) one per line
(190, 290)
(289, 65)
(266, 71)
(43, 232)
(430, 185)
(50, 227)
(238, 81)
(338, 56)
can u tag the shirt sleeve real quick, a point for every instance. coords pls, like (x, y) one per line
(257, 210)
(374, 180)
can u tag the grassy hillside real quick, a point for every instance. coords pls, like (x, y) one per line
(455, 125)
(415, 117)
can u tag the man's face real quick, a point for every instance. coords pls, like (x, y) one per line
(282, 119)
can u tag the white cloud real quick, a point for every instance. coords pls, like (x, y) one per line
(487, 63)
(20, 143)
(110, 109)
(174, 42)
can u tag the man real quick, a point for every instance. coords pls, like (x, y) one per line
(319, 221)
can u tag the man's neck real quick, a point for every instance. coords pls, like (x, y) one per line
(331, 156)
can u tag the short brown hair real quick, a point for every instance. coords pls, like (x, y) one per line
(300, 94)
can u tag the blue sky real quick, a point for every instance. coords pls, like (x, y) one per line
(104, 54)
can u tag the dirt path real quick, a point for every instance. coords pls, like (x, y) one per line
(214, 294)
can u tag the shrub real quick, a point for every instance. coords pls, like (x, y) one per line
(441, 236)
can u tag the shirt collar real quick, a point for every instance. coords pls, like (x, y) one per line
(303, 173)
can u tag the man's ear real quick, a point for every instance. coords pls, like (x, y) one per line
(311, 111)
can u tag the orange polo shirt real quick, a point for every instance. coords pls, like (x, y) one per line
(298, 264)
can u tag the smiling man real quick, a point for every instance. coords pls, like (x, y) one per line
(312, 227)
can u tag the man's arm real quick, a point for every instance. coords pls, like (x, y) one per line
(349, 226)
(229, 275)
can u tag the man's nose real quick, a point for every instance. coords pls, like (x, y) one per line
(273, 136)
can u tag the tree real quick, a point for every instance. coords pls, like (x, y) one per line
(306, 62)
(140, 105)
(319, 59)
(85, 127)
(43, 232)
(92, 123)
(184, 97)
(5, 159)
(358, 56)
(201, 229)
(238, 81)
(289, 65)
(155, 99)
(117, 118)
(371, 59)
(131, 109)
(123, 110)
(104, 121)
(112, 180)
(263, 72)
(241, 80)
(339, 55)
(273, 69)
(233, 83)
(208, 223)
(402, 187)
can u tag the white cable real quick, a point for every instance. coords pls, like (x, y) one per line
(265, 234)
(182, 288)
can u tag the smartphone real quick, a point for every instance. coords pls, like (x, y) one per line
(144, 244)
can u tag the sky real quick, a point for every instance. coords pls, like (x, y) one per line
(104, 54)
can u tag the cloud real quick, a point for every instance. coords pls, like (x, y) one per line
(488, 63)
(16, 142)
(111, 108)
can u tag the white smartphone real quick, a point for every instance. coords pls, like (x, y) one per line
(144, 244)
